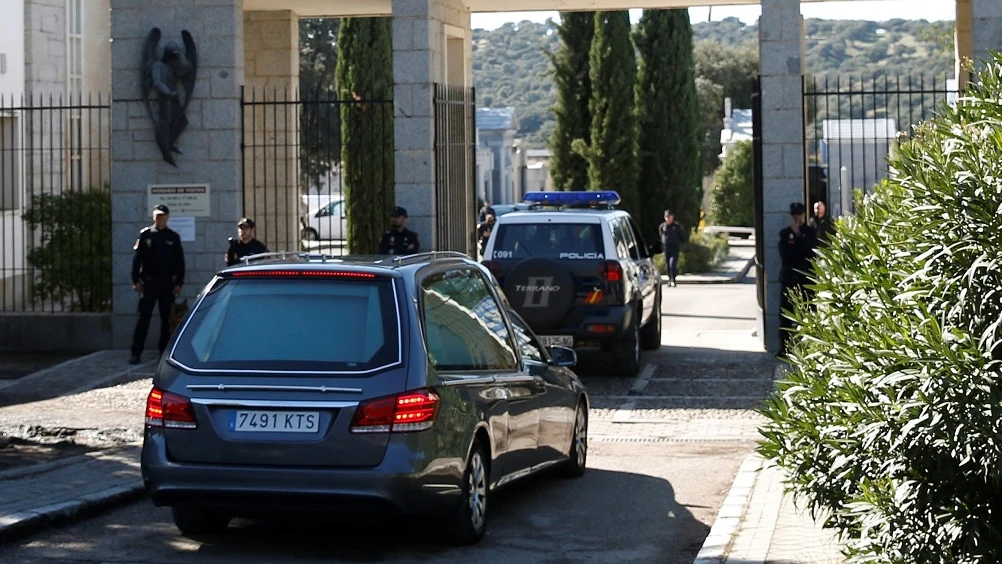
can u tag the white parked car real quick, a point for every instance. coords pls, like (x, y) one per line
(325, 223)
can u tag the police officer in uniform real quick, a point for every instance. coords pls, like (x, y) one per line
(399, 240)
(796, 249)
(157, 275)
(245, 243)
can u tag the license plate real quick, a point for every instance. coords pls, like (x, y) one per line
(275, 421)
(560, 340)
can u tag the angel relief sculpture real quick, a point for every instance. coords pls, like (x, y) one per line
(168, 84)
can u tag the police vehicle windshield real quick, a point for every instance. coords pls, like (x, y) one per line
(548, 240)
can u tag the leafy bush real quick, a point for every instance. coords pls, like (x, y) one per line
(889, 419)
(73, 260)
(732, 195)
(699, 254)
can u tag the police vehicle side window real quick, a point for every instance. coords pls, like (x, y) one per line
(622, 251)
(463, 325)
(641, 246)
(631, 242)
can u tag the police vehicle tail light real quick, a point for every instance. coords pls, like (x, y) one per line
(304, 274)
(164, 409)
(600, 328)
(610, 271)
(400, 413)
(577, 198)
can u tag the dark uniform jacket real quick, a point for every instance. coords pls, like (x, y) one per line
(402, 242)
(158, 259)
(796, 250)
(239, 250)
(483, 234)
(824, 227)
(672, 236)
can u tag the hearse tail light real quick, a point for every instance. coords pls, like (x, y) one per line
(400, 413)
(164, 409)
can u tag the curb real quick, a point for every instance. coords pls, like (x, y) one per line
(729, 278)
(732, 513)
(30, 521)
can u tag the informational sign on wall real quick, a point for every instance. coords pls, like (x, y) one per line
(184, 225)
(193, 200)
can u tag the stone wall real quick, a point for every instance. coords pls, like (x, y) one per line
(211, 143)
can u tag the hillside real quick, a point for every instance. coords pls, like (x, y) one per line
(511, 67)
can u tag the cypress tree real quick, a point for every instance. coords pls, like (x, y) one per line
(573, 84)
(364, 74)
(612, 152)
(670, 141)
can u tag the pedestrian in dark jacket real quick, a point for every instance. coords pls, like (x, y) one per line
(245, 243)
(672, 236)
(796, 249)
(399, 240)
(822, 223)
(157, 275)
(484, 232)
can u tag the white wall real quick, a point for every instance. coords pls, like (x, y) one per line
(12, 47)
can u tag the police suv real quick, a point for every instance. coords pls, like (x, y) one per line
(578, 271)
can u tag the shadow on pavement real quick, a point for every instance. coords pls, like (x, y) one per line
(606, 516)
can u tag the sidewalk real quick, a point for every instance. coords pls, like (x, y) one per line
(737, 265)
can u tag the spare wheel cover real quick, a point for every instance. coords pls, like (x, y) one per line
(541, 291)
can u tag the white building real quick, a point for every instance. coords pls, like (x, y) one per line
(55, 60)
(496, 129)
(857, 151)
(737, 127)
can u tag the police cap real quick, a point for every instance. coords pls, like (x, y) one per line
(398, 212)
(248, 222)
(160, 209)
(797, 208)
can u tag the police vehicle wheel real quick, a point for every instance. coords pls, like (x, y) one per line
(628, 350)
(650, 334)
(541, 291)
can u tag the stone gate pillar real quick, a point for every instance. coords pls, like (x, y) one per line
(210, 144)
(271, 130)
(978, 30)
(431, 44)
(781, 59)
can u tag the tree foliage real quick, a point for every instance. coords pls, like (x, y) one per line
(72, 261)
(510, 64)
(725, 72)
(732, 196)
(573, 94)
(364, 74)
(669, 129)
(611, 154)
(320, 118)
(889, 420)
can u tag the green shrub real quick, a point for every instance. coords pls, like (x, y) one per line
(889, 420)
(699, 254)
(732, 195)
(72, 263)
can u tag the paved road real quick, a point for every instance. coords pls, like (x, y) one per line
(638, 503)
(665, 449)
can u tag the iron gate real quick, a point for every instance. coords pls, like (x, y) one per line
(455, 168)
(852, 124)
(295, 180)
(55, 203)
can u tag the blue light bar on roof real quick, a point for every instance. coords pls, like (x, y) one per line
(605, 197)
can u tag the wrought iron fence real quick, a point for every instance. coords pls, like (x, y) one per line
(854, 123)
(295, 183)
(55, 203)
(455, 168)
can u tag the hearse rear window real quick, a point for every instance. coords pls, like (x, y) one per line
(548, 240)
(293, 325)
